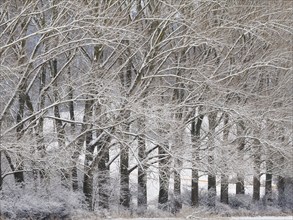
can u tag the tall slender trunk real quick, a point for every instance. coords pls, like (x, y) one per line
(124, 177)
(195, 138)
(124, 165)
(124, 149)
(178, 97)
(88, 172)
(103, 172)
(58, 123)
(142, 174)
(40, 128)
(240, 178)
(18, 175)
(74, 173)
(281, 191)
(268, 181)
(177, 186)
(164, 178)
(211, 172)
(256, 176)
(224, 197)
(76, 152)
(281, 185)
(224, 189)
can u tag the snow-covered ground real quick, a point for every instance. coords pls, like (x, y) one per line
(219, 218)
(263, 218)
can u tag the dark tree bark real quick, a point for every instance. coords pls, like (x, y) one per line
(74, 176)
(103, 172)
(23, 99)
(124, 150)
(124, 177)
(281, 185)
(142, 175)
(72, 125)
(88, 172)
(22, 96)
(224, 197)
(268, 181)
(58, 123)
(177, 187)
(19, 176)
(240, 178)
(178, 97)
(256, 177)
(224, 189)
(281, 191)
(124, 165)
(40, 128)
(80, 142)
(256, 188)
(240, 185)
(195, 136)
(164, 178)
(212, 189)
(211, 173)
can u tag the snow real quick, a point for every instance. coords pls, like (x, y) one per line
(219, 218)
(264, 218)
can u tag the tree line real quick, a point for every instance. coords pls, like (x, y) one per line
(146, 86)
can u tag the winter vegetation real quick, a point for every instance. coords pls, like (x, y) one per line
(145, 108)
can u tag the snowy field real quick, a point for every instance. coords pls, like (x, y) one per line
(219, 218)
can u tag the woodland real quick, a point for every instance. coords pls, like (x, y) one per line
(145, 107)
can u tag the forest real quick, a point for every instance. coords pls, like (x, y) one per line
(145, 107)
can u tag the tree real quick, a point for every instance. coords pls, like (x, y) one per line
(91, 87)
(195, 135)
(224, 177)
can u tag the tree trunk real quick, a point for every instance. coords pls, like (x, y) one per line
(288, 192)
(124, 177)
(40, 129)
(142, 176)
(256, 188)
(18, 175)
(124, 150)
(103, 172)
(240, 178)
(58, 123)
(88, 184)
(212, 190)
(256, 177)
(72, 127)
(195, 138)
(164, 177)
(224, 197)
(124, 165)
(177, 187)
(224, 189)
(269, 180)
(281, 185)
(240, 185)
(88, 172)
(281, 191)
(178, 96)
(74, 176)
